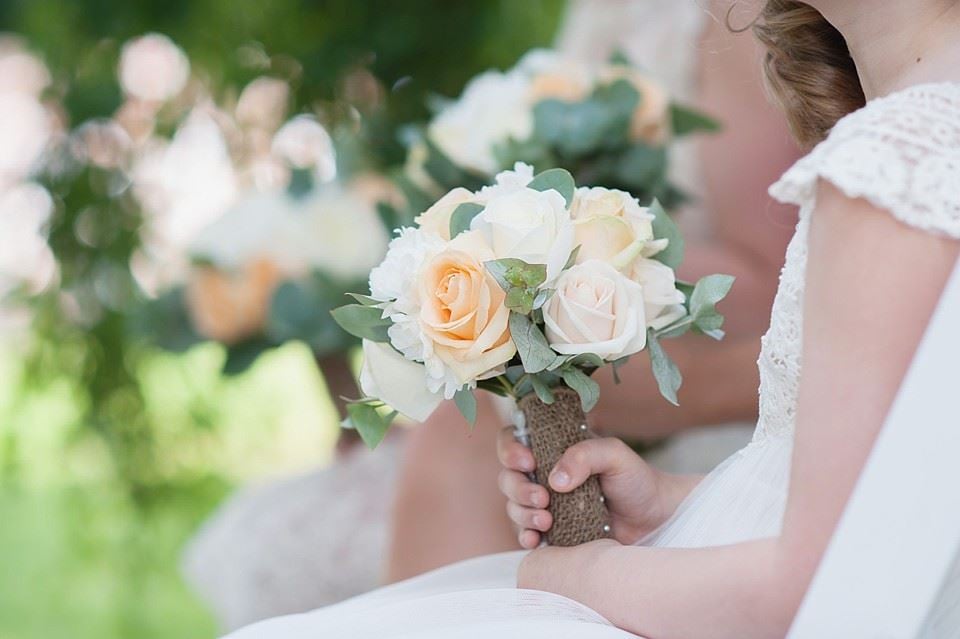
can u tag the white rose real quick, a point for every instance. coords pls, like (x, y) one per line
(508, 181)
(610, 225)
(401, 383)
(436, 219)
(531, 225)
(304, 144)
(598, 310)
(493, 107)
(662, 302)
(153, 68)
(336, 229)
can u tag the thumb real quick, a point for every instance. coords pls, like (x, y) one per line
(606, 456)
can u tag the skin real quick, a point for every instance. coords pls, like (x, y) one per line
(443, 512)
(852, 369)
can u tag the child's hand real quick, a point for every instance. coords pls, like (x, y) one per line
(639, 497)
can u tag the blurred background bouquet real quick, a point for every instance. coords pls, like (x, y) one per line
(184, 187)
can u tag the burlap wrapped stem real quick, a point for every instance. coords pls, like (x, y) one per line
(579, 516)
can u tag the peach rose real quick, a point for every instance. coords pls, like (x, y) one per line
(231, 306)
(436, 219)
(462, 309)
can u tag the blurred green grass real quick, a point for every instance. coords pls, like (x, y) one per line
(79, 556)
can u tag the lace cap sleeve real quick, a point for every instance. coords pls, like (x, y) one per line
(900, 152)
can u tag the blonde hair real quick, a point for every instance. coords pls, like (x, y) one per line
(808, 68)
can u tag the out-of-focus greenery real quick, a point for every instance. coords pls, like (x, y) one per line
(112, 452)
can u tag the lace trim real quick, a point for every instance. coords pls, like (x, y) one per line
(900, 152)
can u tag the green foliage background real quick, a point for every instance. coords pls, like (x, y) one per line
(112, 452)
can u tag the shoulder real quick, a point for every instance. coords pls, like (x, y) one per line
(900, 153)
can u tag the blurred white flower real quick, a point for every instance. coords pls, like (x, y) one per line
(185, 184)
(263, 103)
(153, 68)
(25, 256)
(21, 71)
(102, 142)
(338, 231)
(494, 106)
(25, 129)
(305, 144)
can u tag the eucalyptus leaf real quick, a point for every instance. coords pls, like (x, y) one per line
(543, 296)
(558, 180)
(520, 300)
(573, 257)
(466, 401)
(707, 293)
(665, 228)
(369, 423)
(532, 346)
(543, 391)
(664, 370)
(365, 300)
(685, 120)
(365, 322)
(513, 272)
(587, 388)
(462, 216)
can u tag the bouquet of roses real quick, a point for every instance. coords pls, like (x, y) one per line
(524, 289)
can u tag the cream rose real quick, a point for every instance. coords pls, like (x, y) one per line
(401, 383)
(611, 226)
(650, 122)
(598, 310)
(531, 225)
(662, 302)
(462, 311)
(436, 219)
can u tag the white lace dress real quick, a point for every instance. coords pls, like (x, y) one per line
(900, 152)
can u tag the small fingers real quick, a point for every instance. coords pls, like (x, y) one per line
(512, 454)
(529, 539)
(518, 488)
(529, 518)
(603, 456)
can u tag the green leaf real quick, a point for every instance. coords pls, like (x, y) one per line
(365, 322)
(587, 388)
(532, 346)
(462, 216)
(240, 357)
(664, 370)
(601, 122)
(520, 300)
(707, 293)
(685, 120)
(541, 389)
(559, 180)
(369, 423)
(301, 310)
(573, 257)
(619, 58)
(642, 166)
(301, 183)
(543, 296)
(587, 360)
(665, 228)
(617, 364)
(512, 272)
(365, 300)
(466, 401)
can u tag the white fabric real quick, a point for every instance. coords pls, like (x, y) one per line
(915, 131)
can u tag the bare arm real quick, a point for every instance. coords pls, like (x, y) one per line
(872, 284)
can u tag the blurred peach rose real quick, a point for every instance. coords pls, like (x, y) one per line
(651, 119)
(230, 306)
